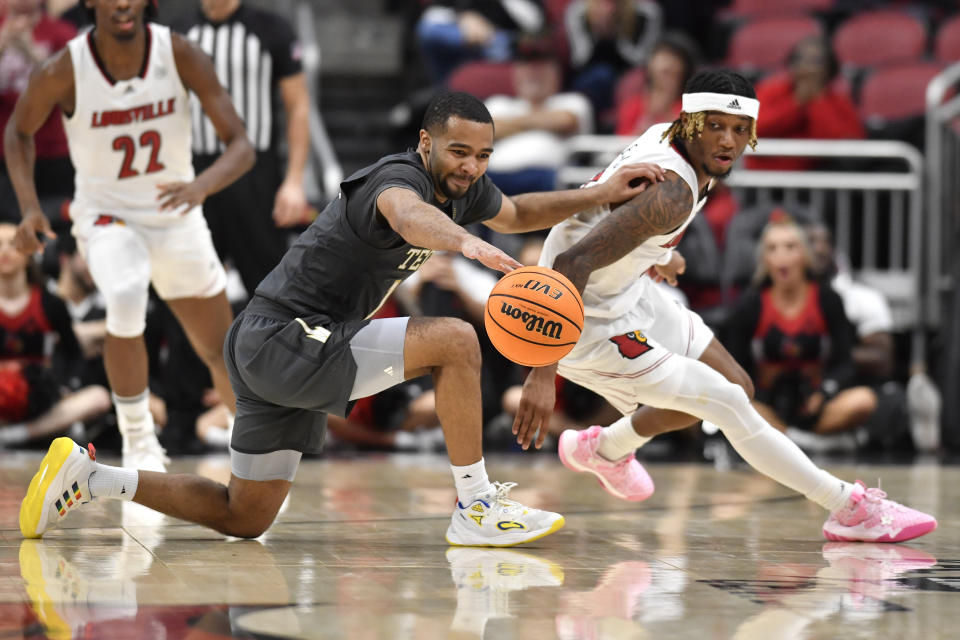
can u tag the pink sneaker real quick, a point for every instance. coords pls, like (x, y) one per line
(625, 478)
(869, 517)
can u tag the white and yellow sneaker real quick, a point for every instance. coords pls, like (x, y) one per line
(60, 486)
(491, 519)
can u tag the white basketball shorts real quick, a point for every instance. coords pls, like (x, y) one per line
(616, 356)
(126, 257)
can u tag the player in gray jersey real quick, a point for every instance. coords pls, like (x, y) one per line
(305, 345)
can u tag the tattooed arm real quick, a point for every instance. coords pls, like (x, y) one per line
(658, 210)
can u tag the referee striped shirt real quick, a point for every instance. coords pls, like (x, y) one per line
(252, 51)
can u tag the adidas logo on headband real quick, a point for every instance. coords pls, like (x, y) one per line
(723, 102)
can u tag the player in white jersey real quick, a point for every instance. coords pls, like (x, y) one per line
(655, 360)
(122, 88)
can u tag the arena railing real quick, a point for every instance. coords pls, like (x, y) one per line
(324, 172)
(871, 196)
(943, 233)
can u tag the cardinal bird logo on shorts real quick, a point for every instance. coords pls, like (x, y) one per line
(631, 345)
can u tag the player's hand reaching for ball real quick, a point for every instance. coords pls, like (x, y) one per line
(34, 223)
(180, 195)
(484, 252)
(536, 406)
(629, 180)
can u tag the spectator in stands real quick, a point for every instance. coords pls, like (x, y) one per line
(529, 127)
(873, 347)
(27, 37)
(35, 327)
(805, 103)
(672, 62)
(451, 32)
(791, 335)
(606, 38)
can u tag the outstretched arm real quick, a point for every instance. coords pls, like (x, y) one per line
(656, 211)
(423, 225)
(532, 211)
(198, 75)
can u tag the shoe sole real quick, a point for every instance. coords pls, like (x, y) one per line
(31, 509)
(569, 462)
(556, 526)
(909, 533)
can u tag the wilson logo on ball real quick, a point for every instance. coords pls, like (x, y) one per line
(532, 322)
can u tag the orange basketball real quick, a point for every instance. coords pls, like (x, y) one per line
(534, 316)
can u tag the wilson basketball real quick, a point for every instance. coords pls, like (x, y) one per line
(534, 316)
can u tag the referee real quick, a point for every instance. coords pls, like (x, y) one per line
(257, 58)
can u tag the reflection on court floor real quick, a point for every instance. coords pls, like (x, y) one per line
(358, 552)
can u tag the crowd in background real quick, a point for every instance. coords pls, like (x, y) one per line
(820, 346)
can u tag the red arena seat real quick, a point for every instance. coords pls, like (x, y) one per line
(947, 44)
(896, 92)
(765, 43)
(483, 79)
(879, 37)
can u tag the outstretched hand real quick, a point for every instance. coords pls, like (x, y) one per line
(631, 179)
(484, 252)
(536, 407)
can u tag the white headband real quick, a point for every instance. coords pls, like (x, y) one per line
(723, 102)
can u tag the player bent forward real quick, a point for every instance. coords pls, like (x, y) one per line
(641, 347)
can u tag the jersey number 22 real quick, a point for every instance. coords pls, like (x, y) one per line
(128, 146)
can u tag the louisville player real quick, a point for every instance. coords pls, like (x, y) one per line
(640, 347)
(123, 90)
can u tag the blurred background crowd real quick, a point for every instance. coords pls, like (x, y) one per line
(821, 313)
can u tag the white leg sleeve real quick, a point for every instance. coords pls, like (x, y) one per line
(701, 391)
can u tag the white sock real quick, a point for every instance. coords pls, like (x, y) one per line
(14, 434)
(619, 439)
(695, 388)
(832, 493)
(470, 480)
(113, 482)
(133, 414)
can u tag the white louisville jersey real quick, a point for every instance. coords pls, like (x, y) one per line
(616, 288)
(128, 136)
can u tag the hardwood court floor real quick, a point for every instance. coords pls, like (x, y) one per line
(359, 553)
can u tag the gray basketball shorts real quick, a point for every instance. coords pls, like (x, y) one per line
(287, 375)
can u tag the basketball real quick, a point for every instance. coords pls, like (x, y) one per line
(534, 316)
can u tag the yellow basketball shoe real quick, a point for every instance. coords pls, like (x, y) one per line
(492, 519)
(60, 486)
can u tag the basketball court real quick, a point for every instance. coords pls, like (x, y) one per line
(359, 552)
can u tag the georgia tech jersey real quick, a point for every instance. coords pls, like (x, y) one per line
(128, 136)
(614, 289)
